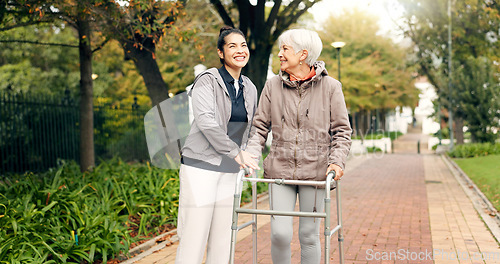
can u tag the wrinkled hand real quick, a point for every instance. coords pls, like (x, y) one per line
(245, 159)
(338, 171)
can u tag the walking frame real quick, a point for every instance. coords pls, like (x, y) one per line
(254, 211)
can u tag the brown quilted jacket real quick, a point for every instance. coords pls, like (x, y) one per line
(309, 125)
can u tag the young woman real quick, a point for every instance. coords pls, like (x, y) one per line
(224, 102)
(306, 112)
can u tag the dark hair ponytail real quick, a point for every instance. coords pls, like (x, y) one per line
(223, 33)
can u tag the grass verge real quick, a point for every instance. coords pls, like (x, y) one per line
(485, 173)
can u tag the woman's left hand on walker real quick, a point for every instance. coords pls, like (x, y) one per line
(245, 159)
(338, 171)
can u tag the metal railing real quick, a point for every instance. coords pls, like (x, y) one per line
(36, 131)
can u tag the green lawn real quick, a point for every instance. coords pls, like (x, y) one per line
(485, 172)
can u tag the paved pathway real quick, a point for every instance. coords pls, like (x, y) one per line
(410, 142)
(398, 208)
(384, 210)
(458, 233)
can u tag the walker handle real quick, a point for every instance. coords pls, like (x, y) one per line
(243, 171)
(330, 178)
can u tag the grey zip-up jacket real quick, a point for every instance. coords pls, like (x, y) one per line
(208, 139)
(309, 124)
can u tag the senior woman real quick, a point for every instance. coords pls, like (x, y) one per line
(305, 111)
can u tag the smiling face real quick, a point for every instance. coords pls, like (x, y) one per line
(235, 52)
(290, 59)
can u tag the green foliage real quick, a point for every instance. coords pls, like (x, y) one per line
(55, 68)
(18, 77)
(109, 208)
(131, 145)
(475, 55)
(474, 150)
(36, 130)
(445, 133)
(483, 171)
(373, 149)
(119, 130)
(374, 70)
(246, 195)
(38, 212)
(125, 82)
(476, 91)
(177, 59)
(143, 21)
(176, 77)
(38, 69)
(427, 26)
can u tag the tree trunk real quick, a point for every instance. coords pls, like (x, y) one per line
(363, 124)
(369, 122)
(383, 112)
(459, 131)
(145, 62)
(257, 67)
(355, 123)
(351, 121)
(87, 160)
(260, 41)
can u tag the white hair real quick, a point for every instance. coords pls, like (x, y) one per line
(303, 39)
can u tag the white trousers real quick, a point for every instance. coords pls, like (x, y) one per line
(205, 215)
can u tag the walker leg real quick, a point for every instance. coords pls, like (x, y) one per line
(254, 224)
(234, 227)
(327, 227)
(339, 221)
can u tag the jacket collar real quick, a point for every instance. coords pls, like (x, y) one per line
(319, 67)
(228, 78)
(215, 73)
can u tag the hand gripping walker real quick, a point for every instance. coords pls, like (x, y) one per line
(254, 211)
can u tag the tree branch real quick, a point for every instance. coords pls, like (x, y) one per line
(291, 7)
(39, 43)
(222, 12)
(292, 17)
(246, 12)
(271, 19)
(25, 24)
(100, 46)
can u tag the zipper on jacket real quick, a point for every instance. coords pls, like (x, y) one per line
(298, 130)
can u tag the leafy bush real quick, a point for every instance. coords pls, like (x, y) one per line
(474, 150)
(108, 209)
(445, 133)
(246, 195)
(131, 145)
(373, 149)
